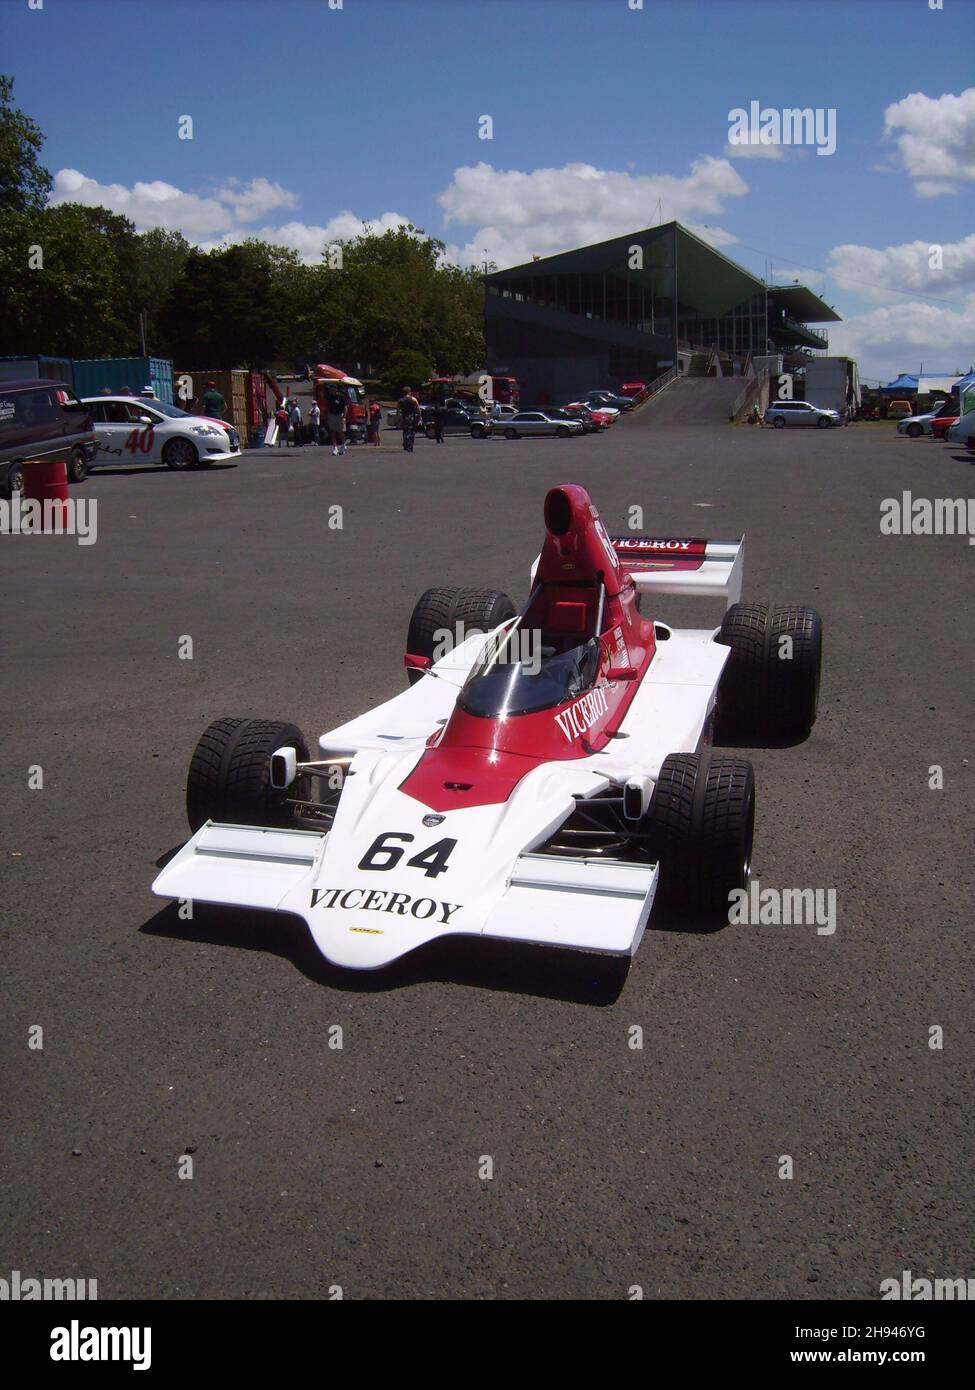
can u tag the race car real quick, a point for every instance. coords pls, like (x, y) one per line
(542, 775)
(132, 429)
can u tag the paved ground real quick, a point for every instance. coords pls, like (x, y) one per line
(613, 1167)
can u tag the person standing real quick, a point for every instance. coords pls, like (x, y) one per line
(314, 420)
(213, 402)
(296, 422)
(409, 414)
(375, 419)
(283, 421)
(335, 420)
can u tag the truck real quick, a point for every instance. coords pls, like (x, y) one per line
(833, 383)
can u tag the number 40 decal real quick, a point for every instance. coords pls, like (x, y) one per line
(383, 855)
(140, 440)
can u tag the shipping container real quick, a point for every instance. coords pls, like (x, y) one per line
(37, 369)
(833, 383)
(93, 374)
(191, 386)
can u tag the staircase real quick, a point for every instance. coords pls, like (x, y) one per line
(691, 400)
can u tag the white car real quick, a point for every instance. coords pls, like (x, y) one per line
(136, 429)
(962, 431)
(782, 413)
(916, 425)
(532, 422)
(533, 784)
(612, 410)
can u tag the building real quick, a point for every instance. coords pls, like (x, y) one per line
(630, 308)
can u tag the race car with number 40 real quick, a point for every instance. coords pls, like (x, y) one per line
(541, 778)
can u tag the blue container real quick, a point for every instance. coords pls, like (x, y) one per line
(93, 374)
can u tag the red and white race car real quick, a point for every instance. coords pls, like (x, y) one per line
(537, 783)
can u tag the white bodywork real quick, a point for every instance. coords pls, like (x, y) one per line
(142, 431)
(495, 884)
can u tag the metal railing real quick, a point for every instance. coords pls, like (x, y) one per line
(656, 386)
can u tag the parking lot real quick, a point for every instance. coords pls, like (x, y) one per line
(362, 1167)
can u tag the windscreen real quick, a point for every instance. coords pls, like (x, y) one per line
(501, 683)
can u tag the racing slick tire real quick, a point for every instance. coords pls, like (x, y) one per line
(769, 686)
(438, 610)
(77, 466)
(181, 454)
(700, 823)
(230, 773)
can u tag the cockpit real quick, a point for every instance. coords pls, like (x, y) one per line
(547, 655)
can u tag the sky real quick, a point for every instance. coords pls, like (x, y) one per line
(311, 118)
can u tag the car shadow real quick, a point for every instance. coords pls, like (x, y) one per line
(508, 967)
(119, 470)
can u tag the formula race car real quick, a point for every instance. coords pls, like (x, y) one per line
(542, 775)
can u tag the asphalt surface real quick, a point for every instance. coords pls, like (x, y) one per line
(315, 1167)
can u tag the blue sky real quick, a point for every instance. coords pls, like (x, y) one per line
(308, 120)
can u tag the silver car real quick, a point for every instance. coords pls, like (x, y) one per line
(528, 422)
(782, 413)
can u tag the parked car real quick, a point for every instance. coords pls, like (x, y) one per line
(782, 413)
(42, 420)
(899, 410)
(530, 422)
(457, 421)
(916, 425)
(611, 412)
(132, 430)
(592, 420)
(962, 431)
(944, 419)
(599, 398)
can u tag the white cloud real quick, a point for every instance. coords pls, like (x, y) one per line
(898, 337)
(935, 137)
(750, 151)
(517, 214)
(219, 219)
(878, 274)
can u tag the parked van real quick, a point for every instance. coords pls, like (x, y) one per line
(42, 420)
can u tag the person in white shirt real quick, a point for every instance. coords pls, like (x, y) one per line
(314, 420)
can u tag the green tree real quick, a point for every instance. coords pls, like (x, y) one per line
(24, 182)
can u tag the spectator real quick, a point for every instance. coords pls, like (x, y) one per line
(438, 419)
(295, 415)
(213, 402)
(409, 414)
(496, 412)
(126, 391)
(283, 422)
(148, 393)
(314, 421)
(335, 420)
(106, 390)
(375, 419)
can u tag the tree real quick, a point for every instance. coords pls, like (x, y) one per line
(24, 182)
(226, 308)
(159, 257)
(406, 368)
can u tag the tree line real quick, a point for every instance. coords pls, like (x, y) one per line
(75, 280)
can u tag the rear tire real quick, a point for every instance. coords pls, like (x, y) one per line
(510, 433)
(77, 466)
(230, 773)
(769, 687)
(14, 481)
(563, 431)
(439, 610)
(779, 423)
(701, 823)
(914, 431)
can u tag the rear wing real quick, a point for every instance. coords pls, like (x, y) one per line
(683, 566)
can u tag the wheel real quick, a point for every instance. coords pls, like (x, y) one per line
(438, 612)
(229, 777)
(779, 422)
(823, 422)
(430, 432)
(700, 823)
(477, 431)
(510, 433)
(915, 431)
(14, 481)
(181, 454)
(563, 432)
(770, 683)
(77, 466)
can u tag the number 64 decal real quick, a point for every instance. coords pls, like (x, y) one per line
(382, 854)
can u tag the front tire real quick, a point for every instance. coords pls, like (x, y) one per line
(914, 431)
(510, 433)
(230, 773)
(14, 481)
(563, 432)
(180, 454)
(770, 683)
(779, 423)
(438, 611)
(701, 824)
(822, 423)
